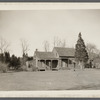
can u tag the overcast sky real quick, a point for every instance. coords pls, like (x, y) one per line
(36, 26)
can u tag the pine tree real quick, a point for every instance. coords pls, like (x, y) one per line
(7, 57)
(15, 62)
(81, 55)
(2, 58)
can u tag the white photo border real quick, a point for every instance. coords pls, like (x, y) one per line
(50, 6)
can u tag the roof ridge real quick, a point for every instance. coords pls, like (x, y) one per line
(44, 52)
(65, 47)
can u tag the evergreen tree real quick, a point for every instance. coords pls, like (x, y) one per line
(81, 55)
(2, 58)
(15, 62)
(7, 57)
(18, 63)
(12, 62)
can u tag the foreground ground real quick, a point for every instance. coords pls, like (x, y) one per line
(51, 80)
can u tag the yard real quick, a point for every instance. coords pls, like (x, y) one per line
(51, 80)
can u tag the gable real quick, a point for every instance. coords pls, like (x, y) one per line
(55, 53)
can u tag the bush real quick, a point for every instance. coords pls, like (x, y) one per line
(35, 68)
(3, 67)
(87, 65)
(23, 68)
(97, 65)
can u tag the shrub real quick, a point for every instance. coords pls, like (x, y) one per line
(87, 65)
(23, 68)
(35, 68)
(97, 65)
(3, 67)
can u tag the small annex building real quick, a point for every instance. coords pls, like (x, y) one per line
(58, 58)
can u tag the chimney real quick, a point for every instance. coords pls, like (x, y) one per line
(36, 50)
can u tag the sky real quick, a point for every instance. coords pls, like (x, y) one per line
(37, 26)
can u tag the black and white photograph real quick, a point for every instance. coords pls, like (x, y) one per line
(50, 50)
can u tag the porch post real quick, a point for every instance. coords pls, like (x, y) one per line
(59, 62)
(44, 63)
(36, 62)
(51, 64)
(68, 63)
(41, 63)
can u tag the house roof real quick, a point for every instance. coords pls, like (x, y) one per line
(65, 51)
(45, 55)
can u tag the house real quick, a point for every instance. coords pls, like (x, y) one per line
(65, 55)
(58, 58)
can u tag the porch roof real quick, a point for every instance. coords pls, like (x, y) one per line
(46, 55)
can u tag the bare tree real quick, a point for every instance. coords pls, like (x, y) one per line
(90, 47)
(46, 46)
(63, 43)
(92, 50)
(24, 46)
(58, 42)
(55, 42)
(3, 45)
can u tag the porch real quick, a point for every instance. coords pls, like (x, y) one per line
(47, 64)
(66, 62)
